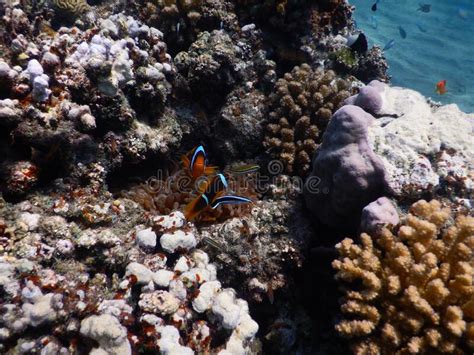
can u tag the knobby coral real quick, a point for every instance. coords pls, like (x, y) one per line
(417, 291)
(302, 105)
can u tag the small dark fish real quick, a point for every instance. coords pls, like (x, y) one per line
(373, 22)
(245, 169)
(358, 42)
(212, 243)
(424, 8)
(389, 45)
(374, 7)
(403, 33)
(462, 12)
(420, 27)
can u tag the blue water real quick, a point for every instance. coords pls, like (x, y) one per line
(445, 51)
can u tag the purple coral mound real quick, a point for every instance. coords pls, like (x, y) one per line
(381, 212)
(346, 174)
(369, 97)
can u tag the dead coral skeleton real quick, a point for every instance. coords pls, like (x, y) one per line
(417, 292)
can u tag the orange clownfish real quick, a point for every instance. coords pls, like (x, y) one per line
(212, 197)
(195, 162)
(441, 87)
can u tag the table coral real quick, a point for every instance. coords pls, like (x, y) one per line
(416, 281)
(302, 105)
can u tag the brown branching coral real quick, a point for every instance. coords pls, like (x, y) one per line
(417, 292)
(302, 105)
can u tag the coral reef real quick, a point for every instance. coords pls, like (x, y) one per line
(77, 85)
(416, 293)
(50, 280)
(421, 148)
(302, 105)
(97, 96)
(181, 21)
(391, 142)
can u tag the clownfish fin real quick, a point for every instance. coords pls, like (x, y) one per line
(202, 186)
(196, 206)
(185, 161)
(229, 200)
(210, 170)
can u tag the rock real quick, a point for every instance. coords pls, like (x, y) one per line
(238, 128)
(141, 272)
(146, 239)
(108, 332)
(34, 69)
(41, 90)
(413, 140)
(346, 174)
(10, 114)
(159, 302)
(42, 310)
(205, 298)
(163, 277)
(177, 240)
(169, 342)
(378, 213)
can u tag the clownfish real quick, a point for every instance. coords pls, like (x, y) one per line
(212, 197)
(210, 189)
(195, 162)
(441, 87)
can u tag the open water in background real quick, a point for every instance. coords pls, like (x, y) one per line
(438, 45)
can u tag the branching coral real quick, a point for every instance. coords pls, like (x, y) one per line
(417, 292)
(302, 105)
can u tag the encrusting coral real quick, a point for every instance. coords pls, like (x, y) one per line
(302, 105)
(417, 292)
